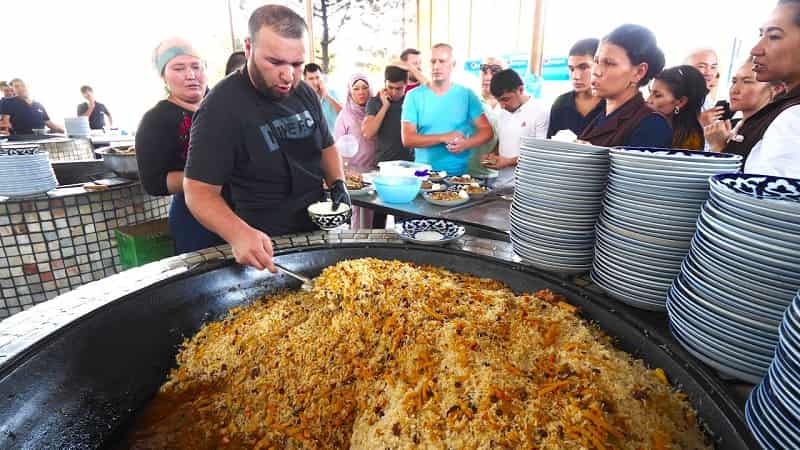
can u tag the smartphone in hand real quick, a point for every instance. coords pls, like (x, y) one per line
(727, 114)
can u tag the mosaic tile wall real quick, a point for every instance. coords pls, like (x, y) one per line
(63, 149)
(69, 149)
(55, 243)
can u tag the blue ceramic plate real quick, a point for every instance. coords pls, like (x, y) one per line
(429, 231)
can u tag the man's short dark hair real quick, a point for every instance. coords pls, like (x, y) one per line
(585, 47)
(311, 68)
(394, 74)
(280, 19)
(86, 88)
(408, 51)
(3, 84)
(505, 81)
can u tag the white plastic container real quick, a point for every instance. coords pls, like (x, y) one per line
(401, 168)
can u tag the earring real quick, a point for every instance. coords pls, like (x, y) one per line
(676, 111)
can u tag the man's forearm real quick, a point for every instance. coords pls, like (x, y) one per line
(373, 123)
(336, 106)
(483, 136)
(332, 165)
(53, 126)
(412, 139)
(209, 208)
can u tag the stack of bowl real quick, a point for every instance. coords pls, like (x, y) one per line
(742, 272)
(773, 409)
(650, 209)
(25, 171)
(557, 198)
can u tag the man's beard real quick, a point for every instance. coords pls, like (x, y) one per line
(261, 84)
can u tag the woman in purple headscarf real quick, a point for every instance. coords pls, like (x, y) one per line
(349, 123)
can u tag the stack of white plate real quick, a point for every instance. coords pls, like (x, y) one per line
(741, 273)
(557, 198)
(651, 205)
(25, 171)
(773, 409)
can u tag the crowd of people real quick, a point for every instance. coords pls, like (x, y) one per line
(20, 114)
(244, 158)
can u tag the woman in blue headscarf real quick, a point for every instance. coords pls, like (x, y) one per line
(162, 140)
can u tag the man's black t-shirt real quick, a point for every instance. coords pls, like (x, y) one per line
(389, 143)
(96, 119)
(24, 117)
(564, 115)
(268, 151)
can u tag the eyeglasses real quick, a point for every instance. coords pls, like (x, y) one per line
(494, 68)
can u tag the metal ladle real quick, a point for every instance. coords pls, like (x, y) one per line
(308, 283)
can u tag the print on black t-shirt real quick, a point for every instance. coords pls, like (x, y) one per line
(297, 126)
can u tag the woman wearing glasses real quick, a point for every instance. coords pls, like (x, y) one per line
(626, 60)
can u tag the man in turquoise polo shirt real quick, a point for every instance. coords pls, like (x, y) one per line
(443, 122)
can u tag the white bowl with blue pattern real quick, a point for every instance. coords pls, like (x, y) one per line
(429, 231)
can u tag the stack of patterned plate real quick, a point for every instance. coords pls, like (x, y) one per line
(773, 410)
(557, 198)
(741, 273)
(25, 171)
(649, 213)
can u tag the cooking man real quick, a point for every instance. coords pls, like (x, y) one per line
(261, 131)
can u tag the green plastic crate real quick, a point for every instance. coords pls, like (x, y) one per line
(144, 243)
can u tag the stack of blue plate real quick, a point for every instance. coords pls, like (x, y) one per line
(557, 198)
(773, 410)
(741, 273)
(649, 214)
(25, 171)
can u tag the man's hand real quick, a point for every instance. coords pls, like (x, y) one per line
(457, 145)
(340, 195)
(711, 116)
(497, 162)
(452, 136)
(718, 134)
(323, 90)
(253, 248)
(384, 96)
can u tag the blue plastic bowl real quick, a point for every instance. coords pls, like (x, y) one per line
(397, 189)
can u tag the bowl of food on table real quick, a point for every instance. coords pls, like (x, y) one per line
(432, 186)
(326, 217)
(437, 177)
(356, 185)
(462, 180)
(476, 191)
(447, 198)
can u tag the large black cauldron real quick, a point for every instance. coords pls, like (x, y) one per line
(81, 386)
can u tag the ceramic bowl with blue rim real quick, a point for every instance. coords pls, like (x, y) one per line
(774, 192)
(324, 216)
(678, 155)
(429, 231)
(20, 150)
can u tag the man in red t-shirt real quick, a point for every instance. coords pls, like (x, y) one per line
(411, 57)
